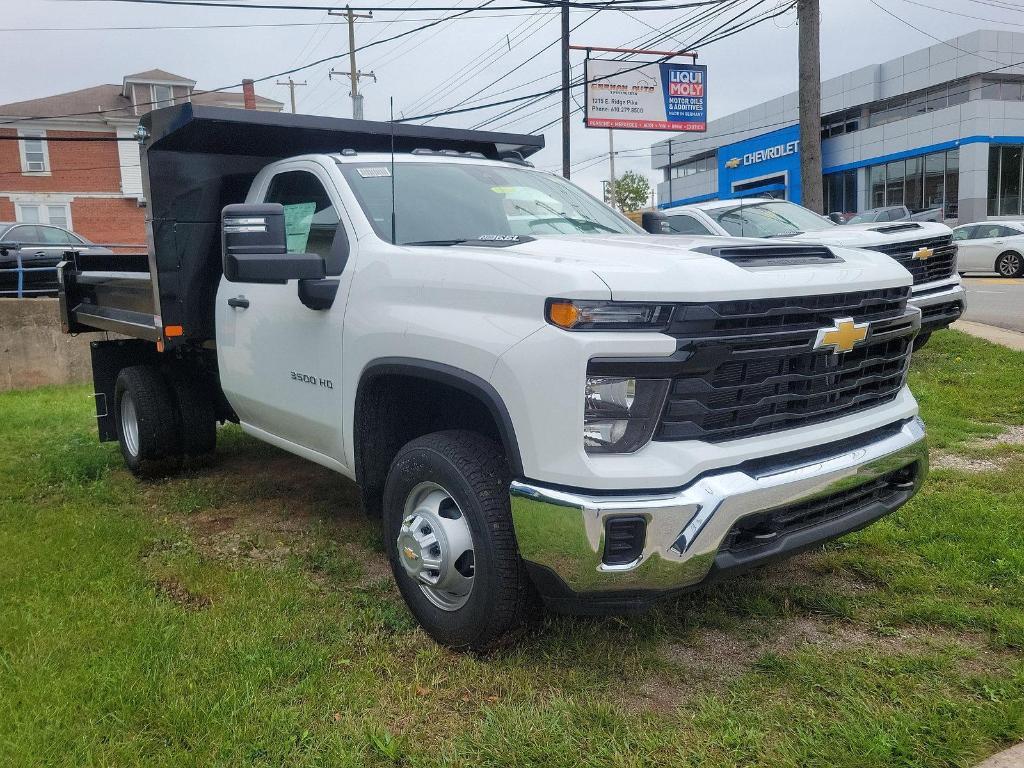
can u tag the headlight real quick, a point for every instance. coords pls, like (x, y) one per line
(607, 315)
(620, 414)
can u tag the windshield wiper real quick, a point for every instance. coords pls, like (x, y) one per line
(785, 234)
(576, 222)
(437, 242)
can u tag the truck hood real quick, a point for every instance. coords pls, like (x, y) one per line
(875, 233)
(669, 268)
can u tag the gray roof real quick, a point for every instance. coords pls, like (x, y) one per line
(158, 75)
(102, 102)
(85, 102)
(232, 99)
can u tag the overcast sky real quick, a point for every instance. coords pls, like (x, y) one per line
(435, 67)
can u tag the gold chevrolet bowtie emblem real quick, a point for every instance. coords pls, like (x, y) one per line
(732, 162)
(843, 336)
(409, 553)
(923, 253)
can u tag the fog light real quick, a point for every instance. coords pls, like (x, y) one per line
(621, 413)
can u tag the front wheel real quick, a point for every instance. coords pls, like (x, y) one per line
(1010, 264)
(451, 542)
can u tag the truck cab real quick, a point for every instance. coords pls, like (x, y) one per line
(537, 399)
(925, 248)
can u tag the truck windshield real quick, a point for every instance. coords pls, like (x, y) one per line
(772, 218)
(448, 203)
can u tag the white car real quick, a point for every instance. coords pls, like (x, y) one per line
(991, 246)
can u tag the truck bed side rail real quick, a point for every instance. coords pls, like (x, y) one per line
(107, 293)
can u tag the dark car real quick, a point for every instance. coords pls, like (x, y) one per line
(41, 248)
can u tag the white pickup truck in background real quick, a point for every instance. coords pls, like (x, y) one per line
(536, 397)
(926, 249)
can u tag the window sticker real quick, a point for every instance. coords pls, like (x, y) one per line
(298, 219)
(374, 172)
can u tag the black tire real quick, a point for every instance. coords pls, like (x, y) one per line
(197, 417)
(1010, 264)
(156, 440)
(921, 339)
(473, 471)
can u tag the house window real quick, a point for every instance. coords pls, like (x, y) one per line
(58, 214)
(35, 157)
(163, 96)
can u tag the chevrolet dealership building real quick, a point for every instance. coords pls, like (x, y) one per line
(943, 126)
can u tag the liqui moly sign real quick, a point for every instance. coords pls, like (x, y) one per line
(646, 97)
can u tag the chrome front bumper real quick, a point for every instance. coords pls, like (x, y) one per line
(940, 305)
(561, 534)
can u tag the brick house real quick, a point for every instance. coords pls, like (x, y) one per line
(92, 187)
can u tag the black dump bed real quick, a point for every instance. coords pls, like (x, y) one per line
(196, 160)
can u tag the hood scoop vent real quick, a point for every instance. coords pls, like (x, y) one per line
(893, 228)
(772, 255)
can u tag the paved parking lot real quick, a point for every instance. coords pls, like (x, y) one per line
(995, 301)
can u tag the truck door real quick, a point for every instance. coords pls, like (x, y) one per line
(280, 361)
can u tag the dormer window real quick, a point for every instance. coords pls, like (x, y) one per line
(163, 96)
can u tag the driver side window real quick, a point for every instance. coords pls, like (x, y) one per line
(311, 220)
(963, 233)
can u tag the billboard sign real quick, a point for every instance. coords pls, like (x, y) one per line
(646, 97)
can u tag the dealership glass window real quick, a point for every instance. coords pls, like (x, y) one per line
(934, 179)
(694, 166)
(876, 182)
(840, 192)
(1009, 183)
(1005, 174)
(840, 123)
(1002, 90)
(922, 182)
(894, 174)
(958, 93)
(950, 204)
(913, 196)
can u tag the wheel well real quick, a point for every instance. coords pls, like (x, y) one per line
(397, 403)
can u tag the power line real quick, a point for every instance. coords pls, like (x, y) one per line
(522, 64)
(291, 71)
(478, 60)
(635, 5)
(706, 40)
(964, 15)
(929, 34)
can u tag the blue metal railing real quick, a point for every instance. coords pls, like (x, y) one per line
(21, 291)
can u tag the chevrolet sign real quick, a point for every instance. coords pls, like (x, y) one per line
(768, 153)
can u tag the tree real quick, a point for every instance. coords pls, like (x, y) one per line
(632, 191)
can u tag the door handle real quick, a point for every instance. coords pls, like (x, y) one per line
(238, 302)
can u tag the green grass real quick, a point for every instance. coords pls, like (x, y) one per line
(241, 614)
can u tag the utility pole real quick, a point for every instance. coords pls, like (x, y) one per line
(808, 18)
(353, 74)
(611, 168)
(292, 85)
(565, 88)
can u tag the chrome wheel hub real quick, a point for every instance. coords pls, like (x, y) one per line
(1009, 265)
(129, 424)
(435, 546)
